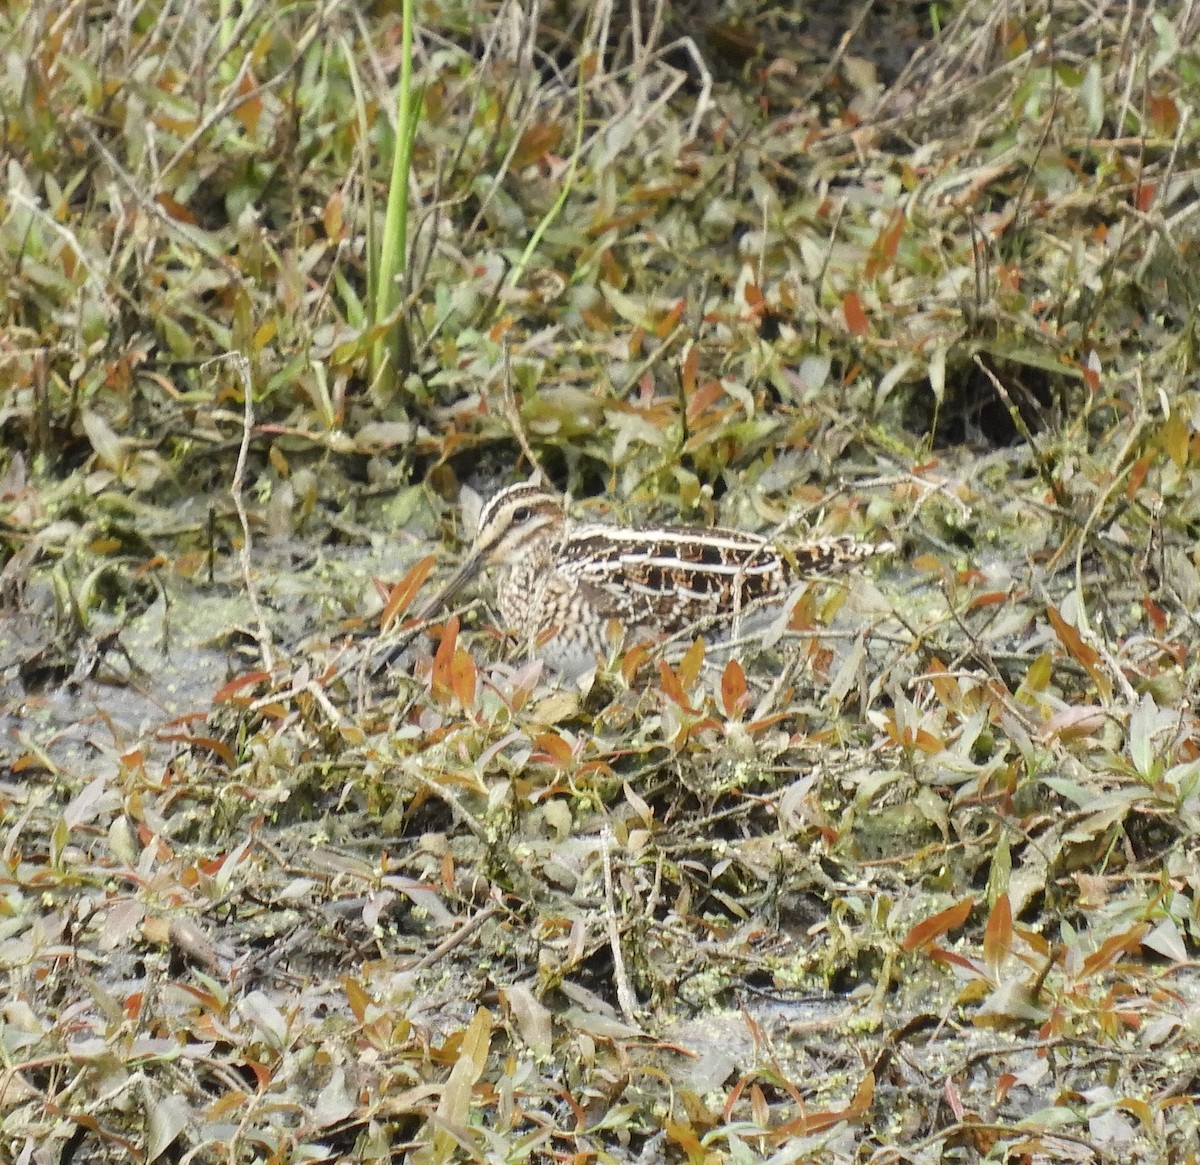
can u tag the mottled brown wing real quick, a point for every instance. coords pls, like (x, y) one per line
(670, 585)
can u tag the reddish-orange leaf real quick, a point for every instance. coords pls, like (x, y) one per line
(401, 595)
(235, 685)
(991, 599)
(536, 142)
(500, 329)
(937, 925)
(1156, 615)
(1137, 475)
(954, 959)
(997, 935)
(754, 299)
(174, 208)
(815, 1122)
(595, 768)
(927, 742)
(1004, 1083)
(669, 682)
(703, 399)
(633, 659)
(666, 325)
(855, 313)
(809, 1123)
(945, 686)
(735, 697)
(885, 246)
(1164, 114)
(735, 1093)
(1008, 277)
(217, 747)
(555, 749)
(249, 112)
(909, 737)
(1143, 195)
(442, 676)
(1056, 1025)
(804, 616)
(262, 1073)
(1070, 638)
(768, 721)
(691, 362)
(1112, 947)
(463, 678)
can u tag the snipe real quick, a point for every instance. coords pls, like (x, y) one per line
(577, 593)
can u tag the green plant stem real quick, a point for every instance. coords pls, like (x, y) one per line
(394, 247)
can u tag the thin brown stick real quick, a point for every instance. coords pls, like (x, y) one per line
(459, 937)
(512, 414)
(625, 995)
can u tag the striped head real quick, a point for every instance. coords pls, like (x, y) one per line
(520, 520)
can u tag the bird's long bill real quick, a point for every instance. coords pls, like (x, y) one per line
(452, 586)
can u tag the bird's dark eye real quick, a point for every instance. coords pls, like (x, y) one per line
(522, 514)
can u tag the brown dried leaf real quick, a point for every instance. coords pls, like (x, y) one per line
(401, 596)
(442, 677)
(997, 935)
(937, 925)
